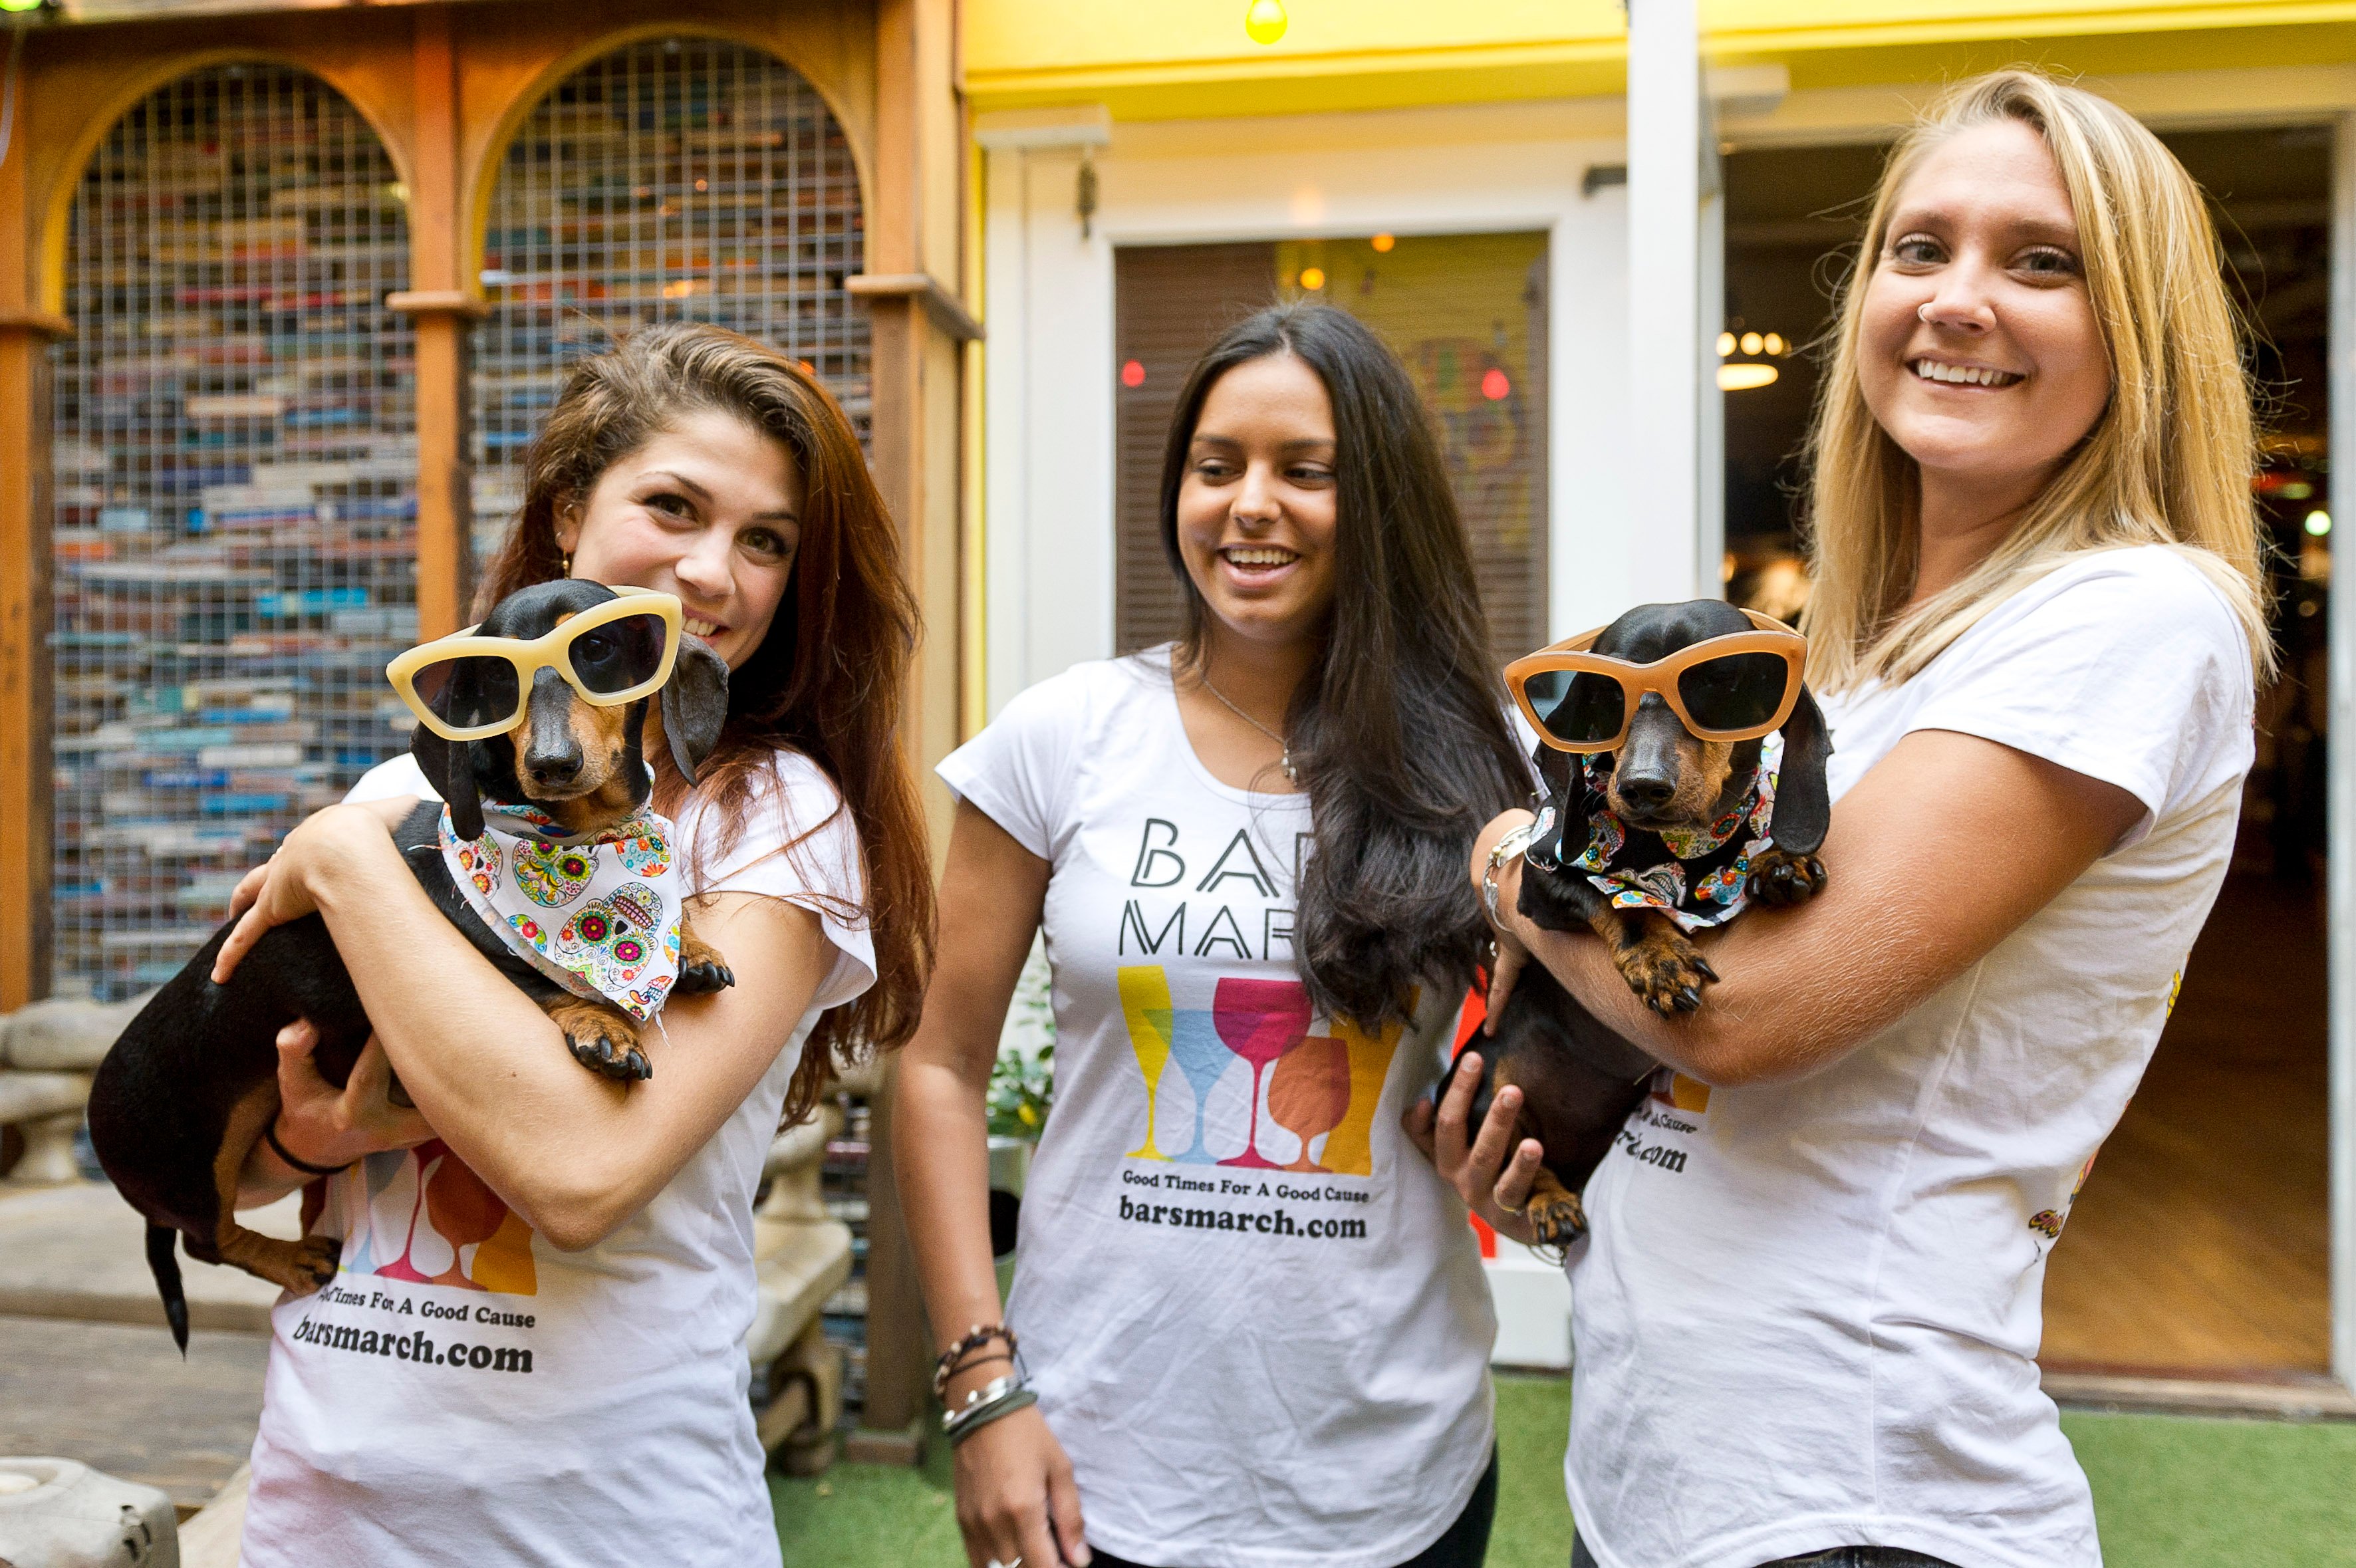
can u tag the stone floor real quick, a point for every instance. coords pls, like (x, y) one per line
(118, 1397)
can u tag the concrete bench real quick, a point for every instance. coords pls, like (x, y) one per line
(48, 1052)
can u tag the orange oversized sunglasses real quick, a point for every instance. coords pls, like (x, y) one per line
(1735, 687)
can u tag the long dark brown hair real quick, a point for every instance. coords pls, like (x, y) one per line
(828, 679)
(1399, 731)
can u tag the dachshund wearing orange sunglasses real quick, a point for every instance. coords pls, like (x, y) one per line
(540, 710)
(1666, 809)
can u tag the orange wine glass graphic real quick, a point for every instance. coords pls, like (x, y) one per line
(1309, 1092)
(1260, 1020)
(1194, 1047)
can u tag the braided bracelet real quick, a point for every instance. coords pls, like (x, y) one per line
(953, 1359)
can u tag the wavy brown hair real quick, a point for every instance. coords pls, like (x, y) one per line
(828, 679)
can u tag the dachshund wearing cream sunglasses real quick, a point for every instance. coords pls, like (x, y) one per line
(1666, 810)
(539, 711)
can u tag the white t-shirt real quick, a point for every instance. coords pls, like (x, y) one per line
(465, 1392)
(1255, 1315)
(1808, 1312)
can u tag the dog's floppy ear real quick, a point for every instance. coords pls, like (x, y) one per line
(1564, 777)
(1803, 802)
(449, 767)
(694, 704)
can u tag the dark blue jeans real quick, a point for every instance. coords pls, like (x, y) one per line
(1465, 1544)
(1839, 1557)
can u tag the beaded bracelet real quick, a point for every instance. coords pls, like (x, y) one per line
(953, 1359)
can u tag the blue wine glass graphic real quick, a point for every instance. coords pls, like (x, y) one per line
(1195, 1047)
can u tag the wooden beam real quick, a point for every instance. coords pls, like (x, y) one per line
(918, 330)
(26, 807)
(948, 312)
(441, 311)
(26, 823)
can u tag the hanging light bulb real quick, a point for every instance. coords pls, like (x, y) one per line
(1264, 21)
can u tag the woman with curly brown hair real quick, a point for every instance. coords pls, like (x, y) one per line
(531, 1353)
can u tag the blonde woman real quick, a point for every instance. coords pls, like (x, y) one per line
(1807, 1314)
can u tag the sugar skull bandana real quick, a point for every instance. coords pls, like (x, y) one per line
(598, 914)
(1695, 877)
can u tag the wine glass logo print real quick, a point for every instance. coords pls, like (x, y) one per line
(1260, 1021)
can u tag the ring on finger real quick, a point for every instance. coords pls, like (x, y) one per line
(1504, 1207)
(994, 1562)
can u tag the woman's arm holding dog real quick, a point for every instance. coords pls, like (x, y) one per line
(1940, 852)
(574, 1153)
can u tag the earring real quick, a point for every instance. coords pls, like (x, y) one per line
(568, 563)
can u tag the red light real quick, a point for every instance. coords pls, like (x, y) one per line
(1494, 386)
(1132, 374)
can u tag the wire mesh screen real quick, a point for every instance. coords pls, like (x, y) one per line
(676, 178)
(235, 506)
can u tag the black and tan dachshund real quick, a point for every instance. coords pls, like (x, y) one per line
(192, 1083)
(1578, 1079)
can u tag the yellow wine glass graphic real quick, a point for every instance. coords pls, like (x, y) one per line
(1145, 1004)
(1350, 1150)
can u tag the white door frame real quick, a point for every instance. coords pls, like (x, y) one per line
(2340, 795)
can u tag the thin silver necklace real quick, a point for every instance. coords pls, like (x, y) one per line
(1291, 777)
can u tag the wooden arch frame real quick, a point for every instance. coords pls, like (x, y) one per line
(484, 161)
(144, 80)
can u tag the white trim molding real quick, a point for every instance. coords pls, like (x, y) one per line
(2341, 748)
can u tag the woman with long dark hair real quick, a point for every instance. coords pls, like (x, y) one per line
(533, 1349)
(1253, 1326)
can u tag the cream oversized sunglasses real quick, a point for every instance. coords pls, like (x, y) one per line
(611, 653)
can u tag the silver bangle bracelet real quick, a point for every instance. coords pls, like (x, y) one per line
(1516, 841)
(1003, 1397)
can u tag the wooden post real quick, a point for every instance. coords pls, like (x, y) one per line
(441, 309)
(919, 328)
(25, 769)
(26, 331)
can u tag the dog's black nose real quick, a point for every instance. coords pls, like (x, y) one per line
(1648, 791)
(553, 769)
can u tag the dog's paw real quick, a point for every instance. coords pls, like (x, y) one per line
(702, 976)
(601, 1039)
(1779, 878)
(316, 1259)
(600, 1054)
(1557, 1221)
(1665, 972)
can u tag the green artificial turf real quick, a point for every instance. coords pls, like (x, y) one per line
(2170, 1491)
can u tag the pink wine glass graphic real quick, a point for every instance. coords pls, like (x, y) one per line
(1194, 1047)
(1260, 1020)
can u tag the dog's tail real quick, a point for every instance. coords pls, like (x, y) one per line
(165, 1266)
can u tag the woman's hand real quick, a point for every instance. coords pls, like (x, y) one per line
(279, 890)
(1015, 1498)
(323, 1126)
(1490, 1172)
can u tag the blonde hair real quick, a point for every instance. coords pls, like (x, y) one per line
(2167, 462)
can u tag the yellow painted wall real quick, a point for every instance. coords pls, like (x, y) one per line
(1161, 58)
